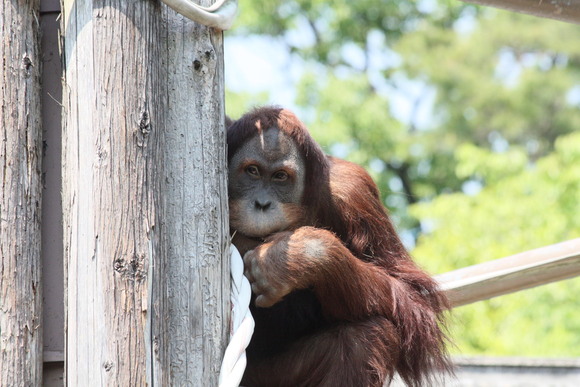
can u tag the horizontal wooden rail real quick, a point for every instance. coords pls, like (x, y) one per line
(517, 272)
(564, 10)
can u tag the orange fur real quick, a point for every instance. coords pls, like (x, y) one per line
(339, 302)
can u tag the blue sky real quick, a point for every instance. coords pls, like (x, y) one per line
(275, 71)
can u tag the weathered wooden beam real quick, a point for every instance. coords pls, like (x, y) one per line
(564, 10)
(20, 194)
(517, 272)
(144, 196)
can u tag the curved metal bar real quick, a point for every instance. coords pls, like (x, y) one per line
(220, 15)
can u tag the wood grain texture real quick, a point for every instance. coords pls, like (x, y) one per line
(510, 274)
(564, 10)
(20, 195)
(144, 196)
(195, 183)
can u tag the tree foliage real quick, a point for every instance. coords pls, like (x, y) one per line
(522, 207)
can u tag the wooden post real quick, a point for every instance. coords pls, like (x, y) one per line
(20, 195)
(144, 196)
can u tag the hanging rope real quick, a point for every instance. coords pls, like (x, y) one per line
(220, 15)
(242, 325)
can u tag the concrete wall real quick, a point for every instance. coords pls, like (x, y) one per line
(511, 372)
(516, 372)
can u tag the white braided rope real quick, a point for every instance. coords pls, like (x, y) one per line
(242, 325)
(220, 15)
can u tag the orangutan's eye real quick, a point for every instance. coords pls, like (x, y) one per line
(280, 176)
(253, 170)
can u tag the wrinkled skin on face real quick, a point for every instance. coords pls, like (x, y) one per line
(266, 185)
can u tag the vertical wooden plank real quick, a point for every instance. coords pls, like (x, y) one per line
(108, 169)
(76, 71)
(52, 263)
(144, 196)
(20, 195)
